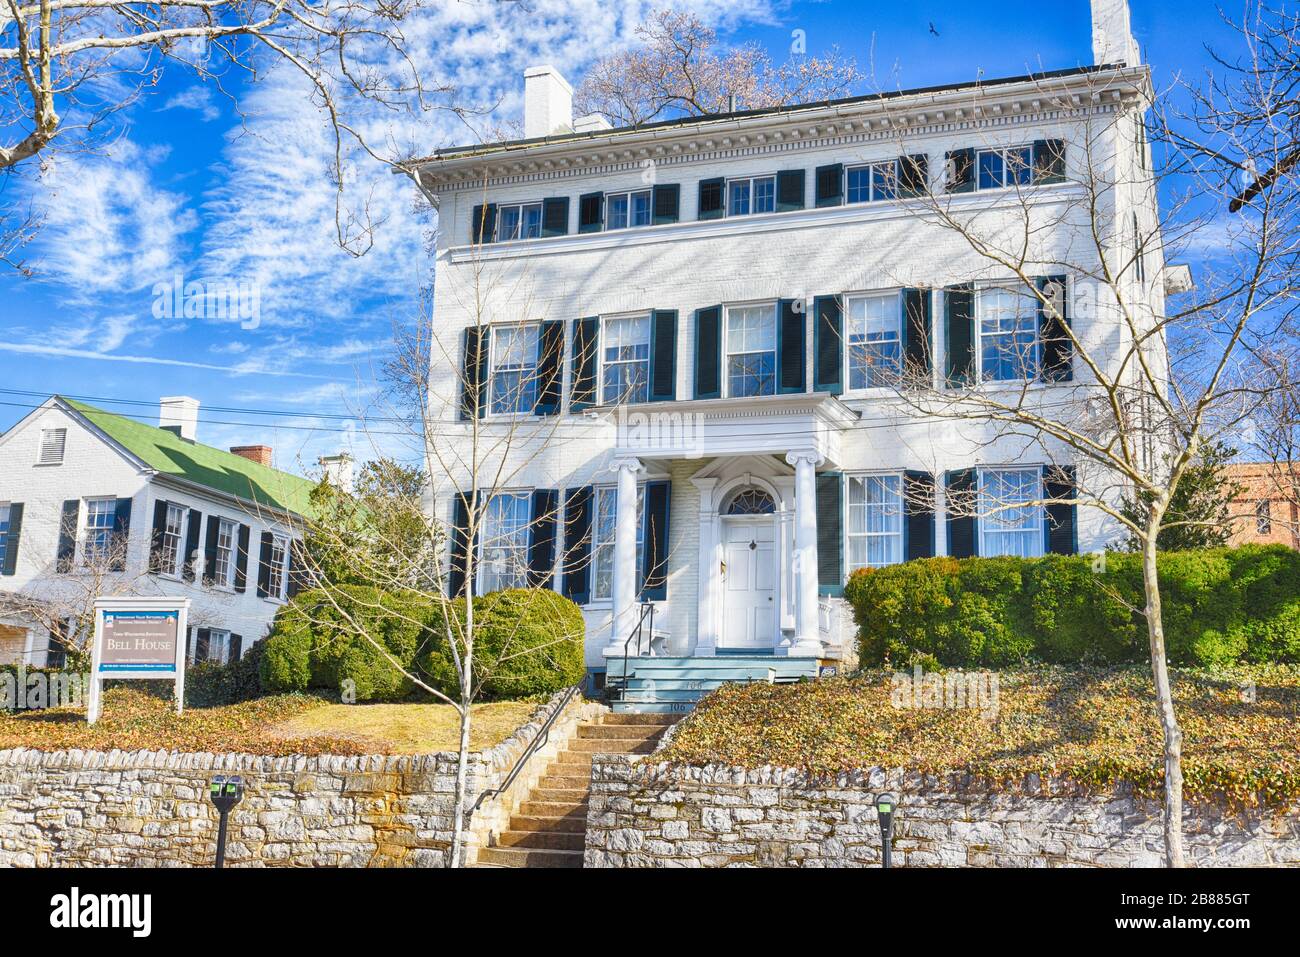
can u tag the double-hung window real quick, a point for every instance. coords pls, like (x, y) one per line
(512, 381)
(872, 183)
(874, 331)
(224, 566)
(519, 221)
(503, 557)
(1009, 524)
(875, 521)
(217, 651)
(173, 540)
(624, 210)
(278, 568)
(756, 194)
(1000, 168)
(602, 541)
(625, 360)
(1008, 335)
(751, 350)
(100, 514)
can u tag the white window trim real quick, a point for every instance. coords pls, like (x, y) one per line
(776, 343)
(847, 370)
(870, 166)
(899, 474)
(600, 355)
(229, 583)
(85, 527)
(521, 206)
(480, 571)
(282, 594)
(629, 193)
(63, 448)
(596, 492)
(1035, 379)
(491, 365)
(1040, 526)
(726, 198)
(178, 563)
(1004, 150)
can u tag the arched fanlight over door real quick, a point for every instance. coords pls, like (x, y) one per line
(750, 501)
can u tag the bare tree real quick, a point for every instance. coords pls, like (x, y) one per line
(679, 70)
(1275, 436)
(67, 67)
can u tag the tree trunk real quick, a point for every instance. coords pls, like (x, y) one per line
(1173, 735)
(466, 699)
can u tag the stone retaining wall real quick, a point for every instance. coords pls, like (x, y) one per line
(644, 814)
(150, 808)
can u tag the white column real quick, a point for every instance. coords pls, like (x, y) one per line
(624, 612)
(807, 642)
(708, 578)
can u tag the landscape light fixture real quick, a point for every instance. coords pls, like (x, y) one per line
(886, 804)
(225, 793)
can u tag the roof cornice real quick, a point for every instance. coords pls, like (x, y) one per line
(860, 119)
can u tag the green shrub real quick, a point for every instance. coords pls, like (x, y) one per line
(533, 639)
(210, 685)
(1220, 606)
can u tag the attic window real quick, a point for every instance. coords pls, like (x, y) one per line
(52, 445)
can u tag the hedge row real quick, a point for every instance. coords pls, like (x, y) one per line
(527, 642)
(1220, 606)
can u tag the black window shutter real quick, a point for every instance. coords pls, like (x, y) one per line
(586, 344)
(241, 560)
(591, 212)
(667, 202)
(541, 539)
(962, 519)
(56, 646)
(1049, 161)
(1061, 531)
(918, 359)
(913, 175)
(9, 560)
(830, 185)
(202, 642)
(959, 177)
(959, 308)
(577, 545)
(550, 368)
(299, 575)
(264, 566)
(483, 224)
(712, 194)
(156, 536)
(654, 560)
(458, 546)
(708, 353)
(663, 356)
(918, 515)
(236, 647)
(192, 526)
(555, 216)
(789, 190)
(121, 534)
(210, 551)
(830, 533)
(792, 347)
(1053, 323)
(473, 373)
(828, 345)
(68, 519)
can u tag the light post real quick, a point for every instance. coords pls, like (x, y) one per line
(225, 793)
(885, 805)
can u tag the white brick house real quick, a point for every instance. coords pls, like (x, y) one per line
(702, 308)
(97, 503)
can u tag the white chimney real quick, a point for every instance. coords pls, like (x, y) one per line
(338, 470)
(1112, 34)
(179, 414)
(590, 123)
(548, 102)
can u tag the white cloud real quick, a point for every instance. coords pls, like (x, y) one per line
(197, 98)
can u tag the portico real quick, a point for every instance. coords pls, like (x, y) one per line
(756, 570)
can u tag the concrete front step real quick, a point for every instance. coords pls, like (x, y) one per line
(622, 732)
(574, 824)
(559, 779)
(558, 795)
(647, 720)
(528, 857)
(678, 708)
(611, 746)
(543, 840)
(554, 809)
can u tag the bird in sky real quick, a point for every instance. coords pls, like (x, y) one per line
(932, 29)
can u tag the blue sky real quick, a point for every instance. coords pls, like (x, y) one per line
(188, 190)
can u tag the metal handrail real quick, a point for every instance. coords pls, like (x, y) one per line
(647, 611)
(538, 742)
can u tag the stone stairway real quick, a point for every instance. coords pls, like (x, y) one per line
(550, 827)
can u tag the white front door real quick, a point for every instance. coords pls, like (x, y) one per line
(749, 582)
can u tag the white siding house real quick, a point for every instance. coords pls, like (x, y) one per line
(93, 503)
(683, 326)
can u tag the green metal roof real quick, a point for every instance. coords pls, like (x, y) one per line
(213, 468)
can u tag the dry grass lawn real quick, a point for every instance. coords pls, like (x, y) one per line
(407, 728)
